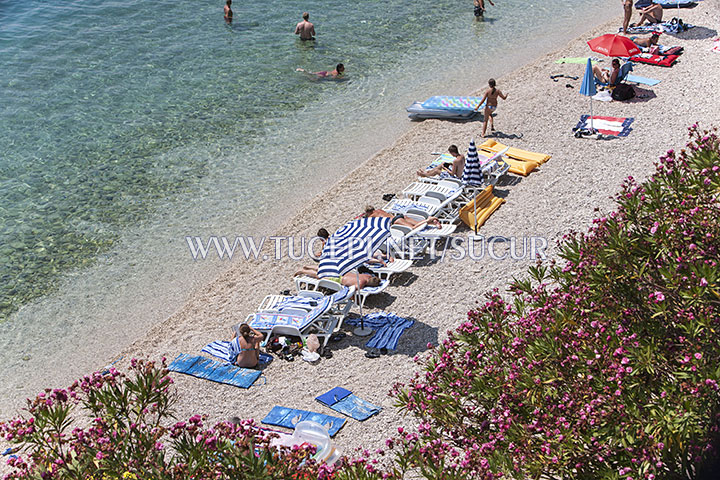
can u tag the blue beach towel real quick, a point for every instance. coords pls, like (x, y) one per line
(289, 417)
(345, 402)
(644, 80)
(208, 369)
(389, 328)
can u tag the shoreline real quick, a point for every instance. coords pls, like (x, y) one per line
(561, 196)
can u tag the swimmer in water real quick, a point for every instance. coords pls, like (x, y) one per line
(228, 11)
(338, 72)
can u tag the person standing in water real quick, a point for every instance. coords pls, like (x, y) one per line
(305, 29)
(491, 100)
(228, 11)
(480, 8)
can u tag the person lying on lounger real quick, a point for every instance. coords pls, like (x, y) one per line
(605, 76)
(454, 169)
(653, 13)
(399, 218)
(363, 278)
(248, 343)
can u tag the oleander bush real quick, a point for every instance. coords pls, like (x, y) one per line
(113, 426)
(603, 367)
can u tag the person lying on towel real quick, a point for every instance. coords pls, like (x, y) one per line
(454, 169)
(605, 76)
(652, 40)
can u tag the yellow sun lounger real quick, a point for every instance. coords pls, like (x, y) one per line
(487, 203)
(492, 146)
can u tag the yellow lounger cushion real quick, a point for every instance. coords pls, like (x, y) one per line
(491, 145)
(487, 203)
(518, 167)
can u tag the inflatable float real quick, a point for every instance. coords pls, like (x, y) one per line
(443, 106)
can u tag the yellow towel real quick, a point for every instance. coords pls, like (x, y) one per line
(492, 146)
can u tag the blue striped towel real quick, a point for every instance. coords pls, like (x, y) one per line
(389, 328)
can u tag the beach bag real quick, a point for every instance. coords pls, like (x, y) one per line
(623, 92)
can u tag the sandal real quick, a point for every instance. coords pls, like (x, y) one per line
(373, 354)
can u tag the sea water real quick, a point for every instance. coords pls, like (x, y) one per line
(127, 125)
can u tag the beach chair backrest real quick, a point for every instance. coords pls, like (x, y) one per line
(625, 70)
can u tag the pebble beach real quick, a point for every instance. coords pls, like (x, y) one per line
(562, 196)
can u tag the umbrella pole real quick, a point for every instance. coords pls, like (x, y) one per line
(360, 331)
(592, 128)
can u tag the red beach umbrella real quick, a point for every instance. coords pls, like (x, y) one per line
(614, 45)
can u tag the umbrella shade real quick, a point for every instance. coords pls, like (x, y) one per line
(352, 245)
(471, 172)
(588, 82)
(614, 45)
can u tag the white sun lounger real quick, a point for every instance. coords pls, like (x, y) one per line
(297, 322)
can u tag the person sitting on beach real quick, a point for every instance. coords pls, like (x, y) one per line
(480, 8)
(605, 76)
(228, 11)
(338, 72)
(653, 13)
(400, 219)
(491, 100)
(305, 29)
(646, 42)
(247, 343)
(454, 169)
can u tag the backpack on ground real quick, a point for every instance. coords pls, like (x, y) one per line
(623, 92)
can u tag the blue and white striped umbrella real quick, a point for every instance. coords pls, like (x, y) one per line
(352, 245)
(471, 173)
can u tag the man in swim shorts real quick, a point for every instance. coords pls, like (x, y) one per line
(455, 169)
(305, 29)
(480, 8)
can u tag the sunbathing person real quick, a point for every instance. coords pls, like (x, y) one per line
(247, 342)
(653, 13)
(363, 278)
(454, 169)
(646, 42)
(605, 76)
(399, 218)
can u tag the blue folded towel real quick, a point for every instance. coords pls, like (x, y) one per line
(345, 402)
(389, 328)
(289, 417)
(208, 369)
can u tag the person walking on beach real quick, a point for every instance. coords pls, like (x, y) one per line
(305, 29)
(627, 6)
(491, 100)
(228, 11)
(480, 8)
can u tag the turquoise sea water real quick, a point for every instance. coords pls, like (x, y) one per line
(126, 125)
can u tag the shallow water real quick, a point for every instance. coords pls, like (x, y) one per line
(127, 125)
